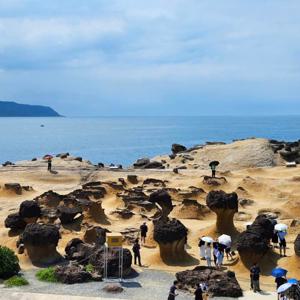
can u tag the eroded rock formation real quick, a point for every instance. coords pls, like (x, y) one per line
(225, 206)
(253, 243)
(220, 284)
(297, 245)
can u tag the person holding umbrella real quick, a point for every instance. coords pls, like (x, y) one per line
(213, 166)
(48, 158)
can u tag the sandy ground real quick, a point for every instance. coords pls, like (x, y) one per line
(273, 189)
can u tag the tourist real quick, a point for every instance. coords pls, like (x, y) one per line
(275, 239)
(213, 170)
(282, 242)
(144, 230)
(172, 292)
(228, 252)
(201, 245)
(215, 252)
(198, 293)
(208, 254)
(220, 256)
(254, 276)
(136, 251)
(49, 164)
(280, 281)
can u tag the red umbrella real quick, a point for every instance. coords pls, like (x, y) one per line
(47, 157)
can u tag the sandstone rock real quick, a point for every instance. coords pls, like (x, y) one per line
(220, 283)
(132, 179)
(40, 242)
(214, 181)
(176, 148)
(191, 209)
(297, 245)
(15, 187)
(95, 234)
(78, 158)
(113, 288)
(67, 214)
(30, 211)
(141, 162)
(253, 243)
(71, 274)
(154, 181)
(225, 206)
(123, 213)
(8, 163)
(245, 202)
(163, 199)
(49, 199)
(171, 237)
(154, 165)
(63, 155)
(14, 222)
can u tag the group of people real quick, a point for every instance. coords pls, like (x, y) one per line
(200, 291)
(215, 250)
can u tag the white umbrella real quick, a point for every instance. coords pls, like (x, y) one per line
(284, 288)
(281, 227)
(207, 239)
(225, 239)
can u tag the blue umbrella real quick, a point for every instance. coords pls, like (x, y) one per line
(293, 281)
(278, 272)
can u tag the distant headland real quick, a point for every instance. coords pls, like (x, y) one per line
(13, 109)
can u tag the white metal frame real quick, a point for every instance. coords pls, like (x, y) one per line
(120, 267)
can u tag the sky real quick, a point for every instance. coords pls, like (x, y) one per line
(152, 58)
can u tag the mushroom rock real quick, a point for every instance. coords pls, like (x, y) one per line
(14, 222)
(49, 199)
(40, 242)
(71, 274)
(191, 209)
(171, 235)
(67, 214)
(77, 250)
(30, 211)
(220, 283)
(176, 148)
(163, 200)
(225, 206)
(95, 234)
(253, 243)
(297, 245)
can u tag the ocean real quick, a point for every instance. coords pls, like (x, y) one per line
(124, 139)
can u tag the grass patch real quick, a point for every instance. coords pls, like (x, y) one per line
(47, 275)
(89, 268)
(15, 281)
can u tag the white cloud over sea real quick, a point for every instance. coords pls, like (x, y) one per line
(135, 57)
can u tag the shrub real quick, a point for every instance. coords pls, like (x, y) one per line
(89, 268)
(47, 274)
(16, 281)
(9, 263)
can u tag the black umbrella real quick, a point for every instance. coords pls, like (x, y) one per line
(214, 163)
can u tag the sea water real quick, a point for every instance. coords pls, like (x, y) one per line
(124, 139)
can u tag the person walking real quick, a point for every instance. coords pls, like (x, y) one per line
(198, 292)
(254, 276)
(172, 292)
(208, 254)
(220, 257)
(49, 162)
(136, 252)
(282, 243)
(144, 230)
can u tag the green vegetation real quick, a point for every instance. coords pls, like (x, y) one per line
(89, 268)
(47, 274)
(16, 281)
(9, 263)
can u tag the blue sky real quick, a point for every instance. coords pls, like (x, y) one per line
(141, 57)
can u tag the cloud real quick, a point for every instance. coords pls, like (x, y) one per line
(137, 51)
